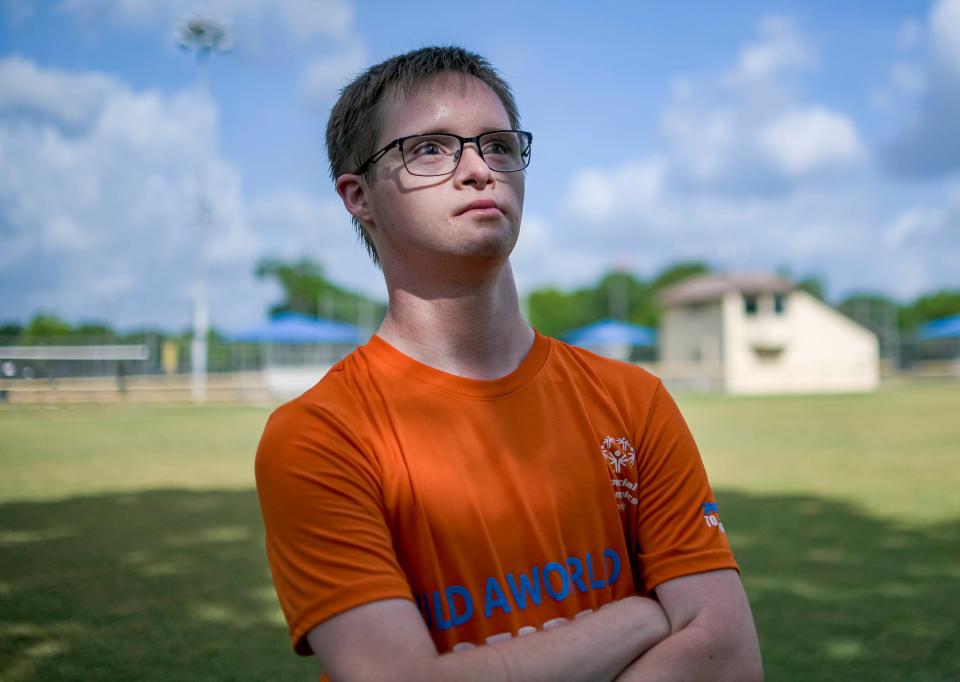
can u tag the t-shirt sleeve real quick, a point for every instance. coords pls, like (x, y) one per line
(678, 528)
(327, 540)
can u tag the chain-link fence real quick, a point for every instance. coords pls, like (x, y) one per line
(153, 367)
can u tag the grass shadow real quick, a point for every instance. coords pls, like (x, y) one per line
(155, 585)
(173, 584)
(841, 595)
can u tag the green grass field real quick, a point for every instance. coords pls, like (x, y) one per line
(131, 542)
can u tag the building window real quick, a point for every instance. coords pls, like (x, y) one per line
(767, 356)
(779, 303)
(750, 305)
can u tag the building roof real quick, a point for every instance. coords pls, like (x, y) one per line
(294, 328)
(611, 333)
(944, 328)
(712, 287)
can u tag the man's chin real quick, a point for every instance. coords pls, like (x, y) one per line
(491, 247)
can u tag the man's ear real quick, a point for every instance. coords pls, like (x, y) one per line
(353, 192)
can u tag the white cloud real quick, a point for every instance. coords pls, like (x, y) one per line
(99, 207)
(811, 139)
(98, 203)
(751, 174)
(815, 228)
(297, 222)
(69, 100)
(746, 130)
(307, 18)
(933, 226)
(926, 241)
(908, 78)
(61, 232)
(295, 225)
(300, 19)
(779, 48)
(535, 240)
(733, 143)
(599, 195)
(945, 34)
(703, 141)
(914, 220)
(909, 35)
(324, 76)
(18, 11)
(905, 81)
(926, 143)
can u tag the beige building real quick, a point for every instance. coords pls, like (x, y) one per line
(756, 333)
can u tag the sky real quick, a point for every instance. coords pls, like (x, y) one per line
(815, 138)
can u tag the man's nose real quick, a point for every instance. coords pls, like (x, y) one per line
(472, 167)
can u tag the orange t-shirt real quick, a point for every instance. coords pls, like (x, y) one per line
(499, 507)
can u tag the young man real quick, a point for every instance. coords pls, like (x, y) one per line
(463, 498)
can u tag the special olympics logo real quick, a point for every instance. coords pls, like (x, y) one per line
(618, 452)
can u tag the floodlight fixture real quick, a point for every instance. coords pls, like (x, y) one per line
(203, 36)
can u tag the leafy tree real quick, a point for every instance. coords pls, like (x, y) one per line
(674, 274)
(666, 278)
(94, 331)
(554, 312)
(813, 285)
(932, 306)
(151, 335)
(10, 331)
(878, 313)
(870, 309)
(308, 291)
(620, 296)
(617, 294)
(44, 326)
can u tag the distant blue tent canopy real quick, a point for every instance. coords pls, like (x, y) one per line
(612, 333)
(944, 328)
(294, 328)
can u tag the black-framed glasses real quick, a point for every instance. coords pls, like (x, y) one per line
(505, 151)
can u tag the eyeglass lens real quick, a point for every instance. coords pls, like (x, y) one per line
(439, 154)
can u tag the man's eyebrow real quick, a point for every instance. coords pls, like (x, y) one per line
(446, 131)
(436, 131)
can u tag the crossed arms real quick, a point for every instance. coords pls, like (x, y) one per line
(701, 629)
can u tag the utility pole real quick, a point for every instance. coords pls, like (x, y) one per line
(202, 36)
(618, 291)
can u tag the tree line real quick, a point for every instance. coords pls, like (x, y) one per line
(617, 294)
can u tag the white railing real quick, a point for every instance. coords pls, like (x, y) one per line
(102, 352)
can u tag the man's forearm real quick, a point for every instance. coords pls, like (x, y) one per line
(626, 629)
(697, 653)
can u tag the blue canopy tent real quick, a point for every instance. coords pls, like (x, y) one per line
(944, 328)
(297, 329)
(615, 339)
(293, 350)
(612, 333)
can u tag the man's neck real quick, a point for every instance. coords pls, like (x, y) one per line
(470, 329)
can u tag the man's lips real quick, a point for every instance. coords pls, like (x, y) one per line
(484, 205)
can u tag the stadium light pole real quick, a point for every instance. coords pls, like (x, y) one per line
(203, 36)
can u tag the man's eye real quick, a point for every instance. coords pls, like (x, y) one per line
(499, 147)
(430, 147)
(426, 148)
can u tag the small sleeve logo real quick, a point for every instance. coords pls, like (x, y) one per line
(618, 453)
(711, 516)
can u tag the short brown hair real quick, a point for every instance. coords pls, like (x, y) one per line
(354, 125)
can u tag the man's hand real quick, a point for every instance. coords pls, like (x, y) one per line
(388, 640)
(712, 635)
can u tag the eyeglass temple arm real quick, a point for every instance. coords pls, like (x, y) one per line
(376, 157)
